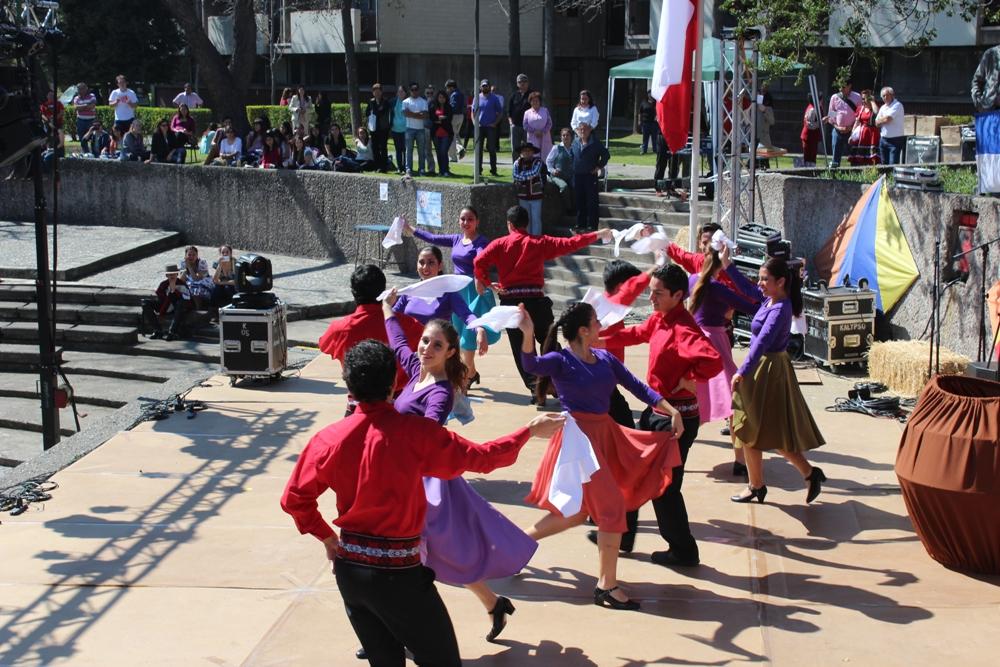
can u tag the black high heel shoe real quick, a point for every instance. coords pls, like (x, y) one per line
(815, 479)
(474, 379)
(750, 494)
(740, 469)
(603, 598)
(500, 611)
(627, 543)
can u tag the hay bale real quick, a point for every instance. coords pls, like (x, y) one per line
(682, 237)
(901, 365)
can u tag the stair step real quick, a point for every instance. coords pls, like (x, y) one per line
(75, 313)
(649, 215)
(80, 294)
(88, 389)
(73, 334)
(25, 414)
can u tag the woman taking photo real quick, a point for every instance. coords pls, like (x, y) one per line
(585, 112)
(634, 466)
(769, 412)
(467, 540)
(464, 248)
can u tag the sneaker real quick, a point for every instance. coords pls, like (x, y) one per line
(461, 152)
(494, 172)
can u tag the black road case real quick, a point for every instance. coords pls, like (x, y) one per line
(253, 342)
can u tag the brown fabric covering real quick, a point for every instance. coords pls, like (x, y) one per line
(769, 411)
(948, 467)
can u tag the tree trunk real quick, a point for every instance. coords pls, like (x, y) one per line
(351, 62)
(228, 84)
(549, 55)
(514, 41)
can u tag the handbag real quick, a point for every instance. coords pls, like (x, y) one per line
(855, 138)
(372, 122)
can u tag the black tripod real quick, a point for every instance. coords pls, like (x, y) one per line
(982, 351)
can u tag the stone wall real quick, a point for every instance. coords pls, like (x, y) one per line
(808, 210)
(300, 213)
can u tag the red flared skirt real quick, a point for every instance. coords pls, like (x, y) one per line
(636, 466)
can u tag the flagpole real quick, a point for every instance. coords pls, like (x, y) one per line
(696, 129)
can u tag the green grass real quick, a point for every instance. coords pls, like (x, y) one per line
(961, 180)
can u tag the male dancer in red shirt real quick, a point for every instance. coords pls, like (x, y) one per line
(519, 259)
(679, 356)
(374, 460)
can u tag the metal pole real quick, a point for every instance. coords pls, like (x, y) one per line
(814, 91)
(477, 148)
(696, 131)
(752, 215)
(736, 141)
(607, 126)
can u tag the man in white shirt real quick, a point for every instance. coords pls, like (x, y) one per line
(85, 103)
(889, 120)
(415, 111)
(124, 102)
(188, 97)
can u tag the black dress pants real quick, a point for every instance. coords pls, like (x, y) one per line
(380, 149)
(622, 414)
(665, 158)
(395, 610)
(671, 513)
(540, 310)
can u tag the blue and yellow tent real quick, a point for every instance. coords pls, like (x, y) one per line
(870, 244)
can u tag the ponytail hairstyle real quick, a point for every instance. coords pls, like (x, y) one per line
(712, 264)
(779, 269)
(454, 369)
(577, 314)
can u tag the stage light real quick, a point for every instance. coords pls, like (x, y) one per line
(253, 274)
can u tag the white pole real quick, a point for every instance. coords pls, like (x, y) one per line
(696, 131)
(607, 126)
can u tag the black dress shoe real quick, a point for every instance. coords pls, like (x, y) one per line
(361, 654)
(750, 494)
(815, 479)
(740, 470)
(156, 335)
(671, 559)
(603, 598)
(501, 610)
(627, 543)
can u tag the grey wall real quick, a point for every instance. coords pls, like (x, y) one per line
(306, 214)
(808, 210)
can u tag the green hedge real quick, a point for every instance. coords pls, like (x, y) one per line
(148, 116)
(341, 115)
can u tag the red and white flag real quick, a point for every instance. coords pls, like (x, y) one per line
(675, 45)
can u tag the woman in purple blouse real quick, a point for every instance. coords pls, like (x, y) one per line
(464, 248)
(769, 412)
(634, 466)
(466, 540)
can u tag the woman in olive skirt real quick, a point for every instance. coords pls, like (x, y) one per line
(769, 412)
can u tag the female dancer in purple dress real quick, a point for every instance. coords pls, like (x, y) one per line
(467, 540)
(464, 248)
(634, 466)
(709, 302)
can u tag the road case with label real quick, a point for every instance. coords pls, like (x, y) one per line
(253, 342)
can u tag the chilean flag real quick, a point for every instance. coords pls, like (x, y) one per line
(675, 45)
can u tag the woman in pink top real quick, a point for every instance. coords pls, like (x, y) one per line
(538, 124)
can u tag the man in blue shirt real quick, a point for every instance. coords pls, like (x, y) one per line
(489, 115)
(456, 100)
(589, 158)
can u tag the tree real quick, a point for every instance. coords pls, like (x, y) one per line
(229, 82)
(141, 42)
(350, 62)
(514, 39)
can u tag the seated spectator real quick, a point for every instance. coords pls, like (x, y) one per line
(97, 139)
(113, 149)
(207, 139)
(364, 159)
(314, 139)
(50, 154)
(335, 145)
(194, 270)
(254, 143)
(220, 134)
(270, 156)
(133, 149)
(287, 152)
(224, 279)
(183, 126)
(287, 133)
(230, 150)
(164, 146)
(172, 296)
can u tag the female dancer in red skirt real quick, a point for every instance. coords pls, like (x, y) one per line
(633, 466)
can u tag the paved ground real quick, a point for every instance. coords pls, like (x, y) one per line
(166, 546)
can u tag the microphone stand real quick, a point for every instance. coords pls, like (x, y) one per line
(981, 350)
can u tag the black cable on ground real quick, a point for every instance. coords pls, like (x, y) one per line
(17, 498)
(156, 410)
(860, 400)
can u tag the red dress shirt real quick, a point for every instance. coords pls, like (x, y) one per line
(677, 350)
(520, 258)
(374, 461)
(625, 295)
(692, 263)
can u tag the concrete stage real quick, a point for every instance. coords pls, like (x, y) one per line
(166, 546)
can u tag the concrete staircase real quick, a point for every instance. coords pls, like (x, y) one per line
(567, 278)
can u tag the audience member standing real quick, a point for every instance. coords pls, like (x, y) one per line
(300, 106)
(490, 112)
(538, 124)
(589, 158)
(810, 135)
(890, 122)
(865, 135)
(529, 185)
(841, 114)
(381, 109)
(189, 97)
(647, 123)
(429, 147)
(124, 101)
(52, 110)
(399, 129)
(441, 132)
(986, 81)
(324, 111)
(286, 97)
(516, 107)
(415, 111)
(585, 112)
(85, 104)
(456, 100)
(559, 163)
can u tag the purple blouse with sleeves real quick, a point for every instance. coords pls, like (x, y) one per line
(441, 308)
(716, 301)
(771, 327)
(433, 401)
(587, 387)
(462, 254)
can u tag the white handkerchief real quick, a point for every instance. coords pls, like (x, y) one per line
(432, 288)
(575, 465)
(395, 234)
(720, 241)
(630, 234)
(608, 313)
(498, 318)
(650, 244)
